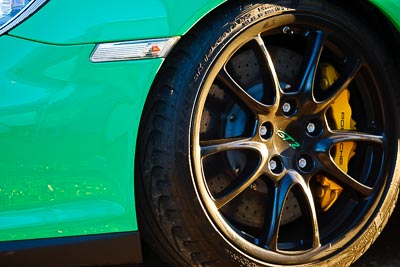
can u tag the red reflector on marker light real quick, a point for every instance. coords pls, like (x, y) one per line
(132, 50)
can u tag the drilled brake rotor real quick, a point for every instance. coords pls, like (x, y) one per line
(249, 208)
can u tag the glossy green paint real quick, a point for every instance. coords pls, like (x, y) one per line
(68, 127)
(67, 136)
(92, 21)
(391, 8)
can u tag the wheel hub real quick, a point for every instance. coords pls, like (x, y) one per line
(286, 137)
(287, 62)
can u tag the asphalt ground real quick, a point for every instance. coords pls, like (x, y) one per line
(385, 252)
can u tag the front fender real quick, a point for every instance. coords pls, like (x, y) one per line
(391, 8)
(90, 21)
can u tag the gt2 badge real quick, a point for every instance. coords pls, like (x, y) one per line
(290, 140)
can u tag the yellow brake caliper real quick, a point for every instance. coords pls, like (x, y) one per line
(340, 111)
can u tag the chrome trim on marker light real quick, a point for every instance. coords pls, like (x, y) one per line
(28, 10)
(132, 50)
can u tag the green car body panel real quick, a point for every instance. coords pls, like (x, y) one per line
(391, 8)
(68, 126)
(67, 133)
(99, 21)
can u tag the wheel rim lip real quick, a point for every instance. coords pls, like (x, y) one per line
(218, 221)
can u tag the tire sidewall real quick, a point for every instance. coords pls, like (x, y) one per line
(193, 210)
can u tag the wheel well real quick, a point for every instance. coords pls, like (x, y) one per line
(369, 14)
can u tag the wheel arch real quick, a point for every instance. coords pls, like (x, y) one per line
(129, 20)
(375, 18)
(187, 57)
(372, 15)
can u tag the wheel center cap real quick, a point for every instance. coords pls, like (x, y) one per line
(288, 139)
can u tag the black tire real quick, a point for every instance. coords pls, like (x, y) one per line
(239, 127)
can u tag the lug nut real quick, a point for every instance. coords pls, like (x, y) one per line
(266, 130)
(302, 163)
(289, 107)
(263, 130)
(311, 128)
(273, 165)
(305, 163)
(314, 128)
(286, 107)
